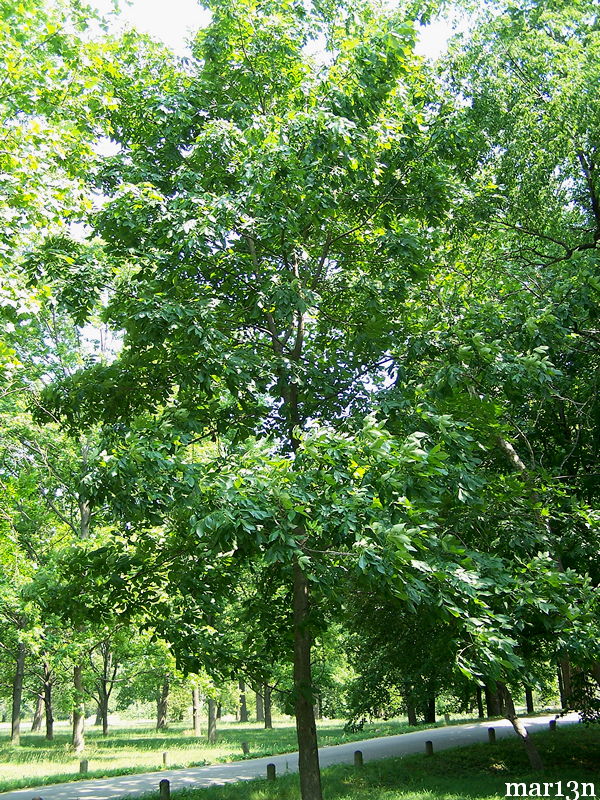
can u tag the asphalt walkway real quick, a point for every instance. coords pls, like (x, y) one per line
(196, 777)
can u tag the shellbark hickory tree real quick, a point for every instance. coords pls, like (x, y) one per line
(267, 213)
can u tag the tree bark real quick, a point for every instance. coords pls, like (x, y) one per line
(306, 729)
(260, 707)
(84, 519)
(17, 695)
(429, 710)
(411, 712)
(162, 704)
(529, 699)
(38, 715)
(268, 707)
(565, 684)
(48, 703)
(78, 710)
(85, 513)
(243, 704)
(212, 721)
(561, 688)
(596, 672)
(105, 683)
(103, 709)
(85, 507)
(317, 708)
(480, 712)
(508, 710)
(492, 702)
(196, 711)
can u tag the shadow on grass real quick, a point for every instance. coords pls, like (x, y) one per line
(186, 749)
(70, 777)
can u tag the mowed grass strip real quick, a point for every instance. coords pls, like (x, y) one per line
(477, 772)
(134, 749)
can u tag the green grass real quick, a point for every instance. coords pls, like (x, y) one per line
(478, 772)
(134, 749)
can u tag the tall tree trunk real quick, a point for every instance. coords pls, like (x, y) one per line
(105, 683)
(38, 715)
(260, 707)
(561, 688)
(103, 709)
(529, 699)
(306, 729)
(479, 694)
(429, 710)
(492, 701)
(268, 707)
(98, 720)
(219, 711)
(411, 712)
(162, 704)
(318, 707)
(85, 513)
(85, 507)
(508, 710)
(78, 710)
(566, 682)
(196, 710)
(243, 704)
(48, 703)
(17, 695)
(212, 721)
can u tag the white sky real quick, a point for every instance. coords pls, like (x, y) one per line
(173, 22)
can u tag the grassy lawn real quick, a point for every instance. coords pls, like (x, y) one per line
(466, 773)
(134, 748)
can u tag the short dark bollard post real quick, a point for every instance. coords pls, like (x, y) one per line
(491, 735)
(83, 766)
(270, 772)
(552, 724)
(358, 758)
(428, 748)
(245, 748)
(164, 789)
(165, 759)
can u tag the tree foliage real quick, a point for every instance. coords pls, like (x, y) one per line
(357, 296)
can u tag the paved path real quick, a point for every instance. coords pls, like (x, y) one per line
(195, 777)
